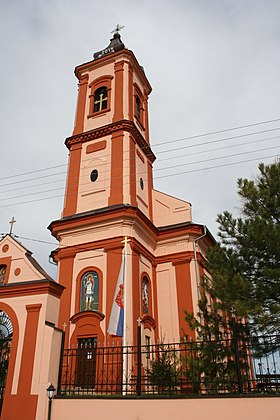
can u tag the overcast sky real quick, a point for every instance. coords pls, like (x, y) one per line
(213, 65)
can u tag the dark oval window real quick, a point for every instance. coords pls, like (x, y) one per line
(141, 183)
(94, 175)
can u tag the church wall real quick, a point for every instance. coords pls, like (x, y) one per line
(167, 303)
(177, 243)
(126, 169)
(20, 269)
(194, 287)
(138, 82)
(104, 118)
(52, 309)
(19, 306)
(107, 228)
(166, 409)
(141, 172)
(170, 210)
(131, 323)
(37, 356)
(48, 368)
(126, 89)
(96, 155)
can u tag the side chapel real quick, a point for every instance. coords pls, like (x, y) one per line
(109, 196)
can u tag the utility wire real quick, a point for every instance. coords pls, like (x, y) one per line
(65, 246)
(161, 160)
(210, 133)
(34, 240)
(158, 177)
(168, 142)
(165, 151)
(156, 170)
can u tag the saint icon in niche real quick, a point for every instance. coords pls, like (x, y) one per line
(89, 291)
(145, 296)
(3, 270)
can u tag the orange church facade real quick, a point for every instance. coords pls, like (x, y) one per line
(109, 196)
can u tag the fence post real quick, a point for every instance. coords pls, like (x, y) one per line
(237, 355)
(138, 384)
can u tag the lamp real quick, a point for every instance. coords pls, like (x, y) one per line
(50, 391)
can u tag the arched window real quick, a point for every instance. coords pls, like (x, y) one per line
(100, 95)
(6, 327)
(145, 295)
(3, 271)
(137, 107)
(89, 291)
(100, 99)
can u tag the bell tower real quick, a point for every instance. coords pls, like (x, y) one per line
(109, 196)
(109, 184)
(110, 159)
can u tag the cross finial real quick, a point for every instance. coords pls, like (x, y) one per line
(117, 29)
(12, 224)
(126, 241)
(64, 326)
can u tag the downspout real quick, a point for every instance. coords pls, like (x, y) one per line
(196, 268)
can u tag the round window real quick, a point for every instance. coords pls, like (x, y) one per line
(141, 183)
(94, 175)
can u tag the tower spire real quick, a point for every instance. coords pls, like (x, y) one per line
(115, 45)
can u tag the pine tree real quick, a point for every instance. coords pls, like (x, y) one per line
(245, 264)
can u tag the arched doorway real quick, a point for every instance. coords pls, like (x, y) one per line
(6, 334)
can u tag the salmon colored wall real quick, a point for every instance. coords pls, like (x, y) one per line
(186, 409)
(104, 118)
(141, 172)
(81, 101)
(138, 82)
(170, 210)
(37, 348)
(126, 90)
(127, 167)
(20, 268)
(167, 303)
(48, 368)
(93, 195)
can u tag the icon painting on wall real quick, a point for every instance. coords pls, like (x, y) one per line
(89, 291)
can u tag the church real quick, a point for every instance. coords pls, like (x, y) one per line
(125, 249)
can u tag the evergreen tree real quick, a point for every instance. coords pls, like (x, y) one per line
(245, 265)
(212, 359)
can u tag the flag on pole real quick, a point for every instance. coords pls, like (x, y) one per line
(116, 322)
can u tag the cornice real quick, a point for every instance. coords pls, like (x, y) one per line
(120, 211)
(90, 315)
(111, 58)
(106, 130)
(37, 287)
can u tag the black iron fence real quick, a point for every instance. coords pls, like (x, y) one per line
(5, 346)
(213, 367)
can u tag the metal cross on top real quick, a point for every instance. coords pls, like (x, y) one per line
(117, 30)
(12, 224)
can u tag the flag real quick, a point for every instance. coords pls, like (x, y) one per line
(116, 322)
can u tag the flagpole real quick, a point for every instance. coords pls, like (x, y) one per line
(126, 240)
